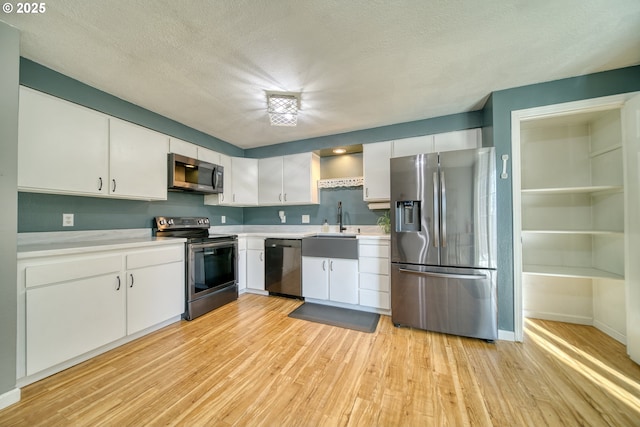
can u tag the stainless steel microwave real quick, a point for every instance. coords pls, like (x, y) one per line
(187, 174)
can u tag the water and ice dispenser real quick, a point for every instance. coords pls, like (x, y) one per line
(408, 215)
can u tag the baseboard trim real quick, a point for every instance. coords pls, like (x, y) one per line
(9, 398)
(506, 335)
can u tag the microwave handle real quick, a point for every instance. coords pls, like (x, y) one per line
(214, 177)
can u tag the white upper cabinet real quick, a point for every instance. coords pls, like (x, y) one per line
(413, 146)
(375, 158)
(208, 156)
(244, 177)
(301, 173)
(129, 176)
(458, 140)
(183, 148)
(63, 147)
(270, 175)
(289, 180)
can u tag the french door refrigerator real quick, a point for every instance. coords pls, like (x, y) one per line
(443, 242)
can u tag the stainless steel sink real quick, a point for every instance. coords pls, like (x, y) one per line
(330, 245)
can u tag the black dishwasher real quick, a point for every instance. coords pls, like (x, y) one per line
(283, 272)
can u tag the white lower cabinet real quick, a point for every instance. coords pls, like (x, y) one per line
(374, 284)
(76, 312)
(152, 293)
(255, 263)
(330, 279)
(70, 305)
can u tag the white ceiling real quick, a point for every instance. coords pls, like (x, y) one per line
(358, 63)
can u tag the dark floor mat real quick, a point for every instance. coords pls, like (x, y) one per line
(336, 316)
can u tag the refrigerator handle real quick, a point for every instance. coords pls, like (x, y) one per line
(447, 275)
(443, 219)
(436, 212)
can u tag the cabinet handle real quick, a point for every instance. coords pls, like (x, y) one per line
(234, 197)
(100, 186)
(324, 265)
(366, 192)
(330, 265)
(131, 285)
(261, 256)
(114, 186)
(285, 197)
(280, 197)
(118, 288)
(221, 197)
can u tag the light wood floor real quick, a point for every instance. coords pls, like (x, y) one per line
(247, 363)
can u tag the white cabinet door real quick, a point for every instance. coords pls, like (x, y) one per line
(155, 286)
(343, 280)
(376, 171)
(65, 320)
(270, 181)
(301, 173)
(458, 140)
(154, 294)
(245, 181)
(208, 156)
(412, 146)
(315, 277)
(255, 269)
(138, 162)
(183, 148)
(62, 147)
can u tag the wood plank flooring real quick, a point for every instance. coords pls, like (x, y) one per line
(248, 364)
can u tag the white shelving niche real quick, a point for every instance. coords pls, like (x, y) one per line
(572, 199)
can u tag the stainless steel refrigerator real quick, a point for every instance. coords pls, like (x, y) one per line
(443, 242)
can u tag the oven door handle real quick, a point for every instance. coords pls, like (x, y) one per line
(211, 245)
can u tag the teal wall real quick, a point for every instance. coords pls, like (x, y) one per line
(43, 212)
(9, 68)
(498, 121)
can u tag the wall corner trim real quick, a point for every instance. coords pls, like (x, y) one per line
(9, 398)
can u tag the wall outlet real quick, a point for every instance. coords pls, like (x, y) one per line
(67, 220)
(305, 219)
(223, 219)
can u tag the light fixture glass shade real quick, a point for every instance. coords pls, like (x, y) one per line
(282, 109)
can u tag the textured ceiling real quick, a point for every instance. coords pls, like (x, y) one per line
(357, 63)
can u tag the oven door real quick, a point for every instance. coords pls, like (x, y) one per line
(211, 266)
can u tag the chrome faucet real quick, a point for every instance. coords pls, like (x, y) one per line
(342, 228)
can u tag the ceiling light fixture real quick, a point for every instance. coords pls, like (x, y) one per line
(339, 150)
(282, 109)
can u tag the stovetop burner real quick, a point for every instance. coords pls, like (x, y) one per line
(192, 228)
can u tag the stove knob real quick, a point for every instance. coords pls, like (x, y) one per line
(170, 222)
(163, 222)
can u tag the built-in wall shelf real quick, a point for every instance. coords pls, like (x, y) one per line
(567, 271)
(593, 232)
(574, 190)
(572, 223)
(606, 150)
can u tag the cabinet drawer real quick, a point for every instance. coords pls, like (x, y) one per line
(375, 299)
(36, 275)
(376, 251)
(155, 257)
(374, 282)
(374, 265)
